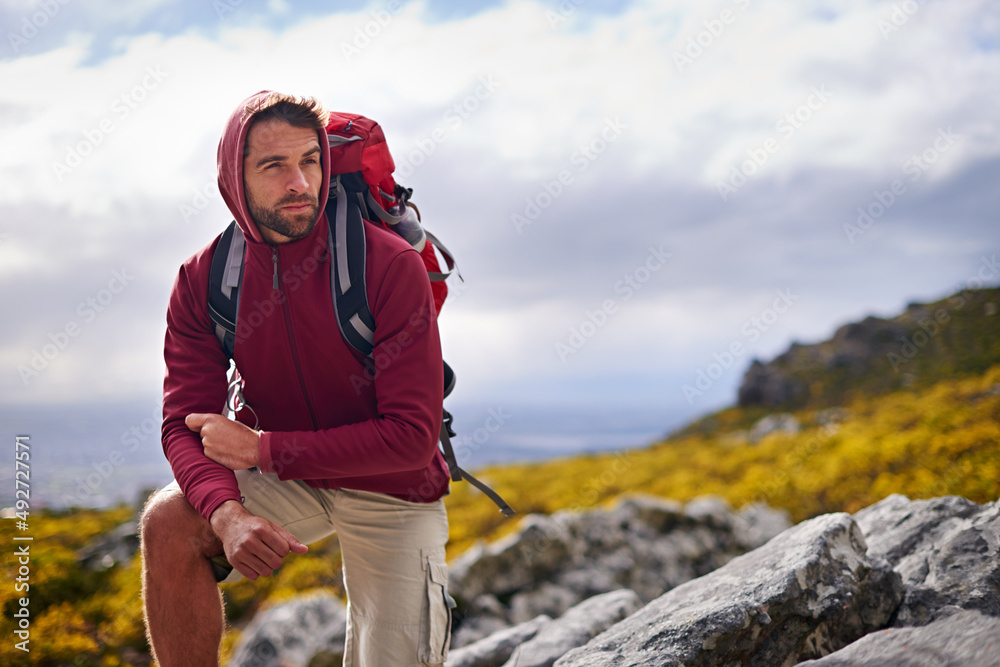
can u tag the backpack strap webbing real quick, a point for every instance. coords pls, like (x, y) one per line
(458, 473)
(449, 260)
(225, 277)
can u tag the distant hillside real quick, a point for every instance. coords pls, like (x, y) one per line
(958, 336)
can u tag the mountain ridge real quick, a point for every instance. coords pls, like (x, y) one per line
(956, 336)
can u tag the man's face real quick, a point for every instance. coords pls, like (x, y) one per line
(282, 176)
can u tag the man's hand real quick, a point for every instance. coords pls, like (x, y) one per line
(253, 545)
(228, 442)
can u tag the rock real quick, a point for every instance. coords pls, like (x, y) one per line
(485, 616)
(784, 422)
(589, 580)
(539, 547)
(768, 385)
(809, 591)
(947, 551)
(488, 605)
(575, 628)
(468, 629)
(644, 543)
(548, 599)
(710, 511)
(661, 515)
(831, 416)
(291, 634)
(108, 549)
(493, 651)
(966, 639)
(757, 523)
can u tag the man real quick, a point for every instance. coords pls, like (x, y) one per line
(330, 453)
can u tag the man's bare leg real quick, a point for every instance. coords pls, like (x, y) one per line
(181, 599)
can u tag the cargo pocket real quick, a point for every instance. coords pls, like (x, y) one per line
(435, 630)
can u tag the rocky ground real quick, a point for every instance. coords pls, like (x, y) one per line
(652, 582)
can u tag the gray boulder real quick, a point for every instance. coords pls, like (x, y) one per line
(947, 551)
(808, 592)
(757, 523)
(660, 514)
(539, 547)
(783, 422)
(547, 599)
(966, 639)
(291, 634)
(109, 549)
(645, 543)
(493, 651)
(468, 630)
(575, 628)
(484, 616)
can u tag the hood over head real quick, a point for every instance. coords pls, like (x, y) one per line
(230, 161)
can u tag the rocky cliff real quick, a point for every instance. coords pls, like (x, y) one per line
(954, 336)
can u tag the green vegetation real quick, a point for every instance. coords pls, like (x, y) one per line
(914, 436)
(953, 337)
(74, 611)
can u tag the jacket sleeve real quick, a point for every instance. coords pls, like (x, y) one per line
(408, 386)
(195, 381)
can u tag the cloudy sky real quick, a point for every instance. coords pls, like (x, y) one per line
(632, 188)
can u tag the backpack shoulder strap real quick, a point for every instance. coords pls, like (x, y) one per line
(224, 279)
(347, 268)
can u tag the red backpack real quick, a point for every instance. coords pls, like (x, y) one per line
(357, 146)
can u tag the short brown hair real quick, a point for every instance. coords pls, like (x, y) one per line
(296, 111)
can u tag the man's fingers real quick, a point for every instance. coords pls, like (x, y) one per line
(196, 420)
(251, 567)
(259, 557)
(282, 542)
(292, 541)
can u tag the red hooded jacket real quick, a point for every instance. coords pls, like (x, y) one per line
(324, 419)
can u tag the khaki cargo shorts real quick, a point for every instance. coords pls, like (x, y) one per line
(398, 610)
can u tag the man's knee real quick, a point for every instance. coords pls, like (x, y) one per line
(169, 526)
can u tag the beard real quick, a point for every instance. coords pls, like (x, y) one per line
(293, 226)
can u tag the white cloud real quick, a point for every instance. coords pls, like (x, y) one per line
(517, 100)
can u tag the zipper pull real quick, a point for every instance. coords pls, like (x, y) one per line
(274, 257)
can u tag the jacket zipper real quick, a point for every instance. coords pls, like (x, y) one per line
(274, 258)
(291, 340)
